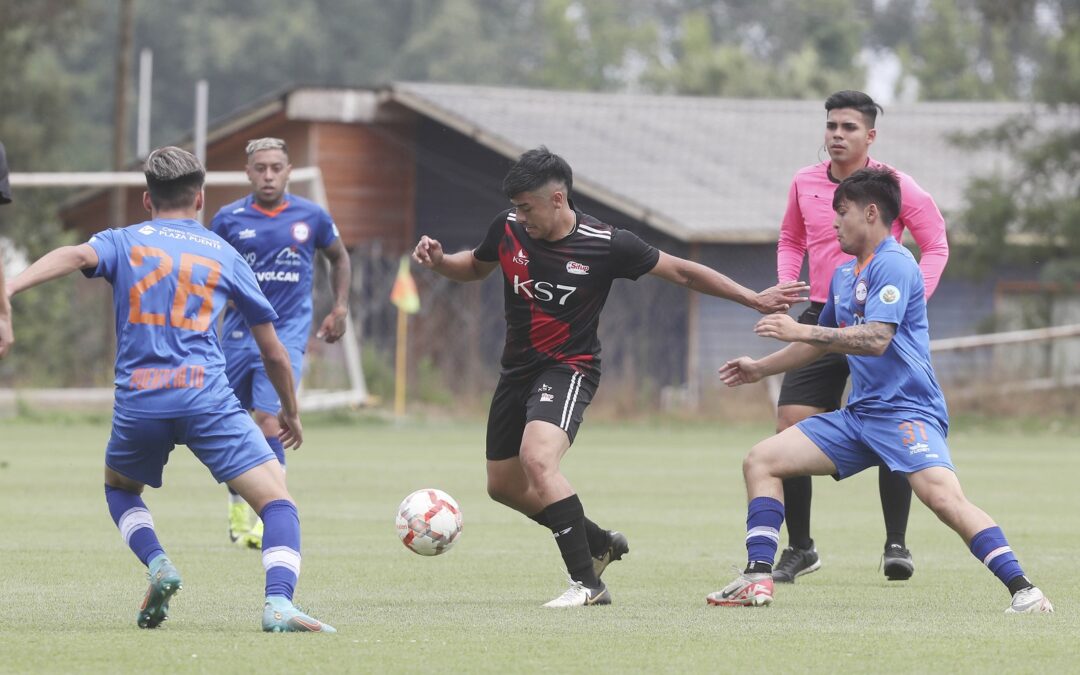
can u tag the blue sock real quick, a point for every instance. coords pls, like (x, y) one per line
(281, 547)
(136, 526)
(763, 519)
(991, 547)
(275, 444)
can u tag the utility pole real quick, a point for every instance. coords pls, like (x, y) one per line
(118, 196)
(120, 107)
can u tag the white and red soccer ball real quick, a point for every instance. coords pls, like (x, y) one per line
(429, 521)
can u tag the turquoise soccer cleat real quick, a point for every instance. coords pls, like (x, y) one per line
(164, 583)
(281, 616)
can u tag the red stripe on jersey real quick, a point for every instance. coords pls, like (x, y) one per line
(547, 333)
(579, 359)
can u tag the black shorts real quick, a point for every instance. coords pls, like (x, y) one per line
(819, 384)
(558, 395)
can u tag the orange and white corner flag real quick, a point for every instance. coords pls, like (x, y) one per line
(404, 294)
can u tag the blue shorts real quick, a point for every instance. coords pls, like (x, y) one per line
(228, 442)
(857, 441)
(249, 381)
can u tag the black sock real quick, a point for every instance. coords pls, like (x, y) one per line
(895, 504)
(1018, 583)
(797, 494)
(758, 567)
(566, 518)
(599, 538)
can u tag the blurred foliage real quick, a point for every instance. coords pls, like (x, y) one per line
(1039, 199)
(40, 132)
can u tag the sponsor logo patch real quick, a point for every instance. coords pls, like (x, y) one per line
(289, 256)
(576, 268)
(249, 233)
(522, 258)
(146, 229)
(889, 295)
(301, 231)
(547, 398)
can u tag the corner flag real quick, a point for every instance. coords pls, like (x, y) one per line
(404, 294)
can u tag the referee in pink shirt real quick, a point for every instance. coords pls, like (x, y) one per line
(807, 229)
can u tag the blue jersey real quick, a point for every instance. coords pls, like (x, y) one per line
(888, 289)
(280, 246)
(171, 279)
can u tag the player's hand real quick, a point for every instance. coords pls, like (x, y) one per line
(292, 432)
(781, 297)
(742, 370)
(428, 252)
(333, 326)
(780, 327)
(7, 335)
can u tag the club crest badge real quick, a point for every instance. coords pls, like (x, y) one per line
(860, 291)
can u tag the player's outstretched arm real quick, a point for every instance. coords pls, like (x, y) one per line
(333, 326)
(279, 369)
(460, 266)
(7, 334)
(745, 370)
(868, 339)
(53, 265)
(698, 277)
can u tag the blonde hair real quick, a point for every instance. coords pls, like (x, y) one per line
(174, 178)
(269, 143)
(170, 163)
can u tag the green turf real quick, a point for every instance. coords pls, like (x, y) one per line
(69, 588)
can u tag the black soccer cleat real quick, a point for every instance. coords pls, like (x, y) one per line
(795, 562)
(615, 551)
(898, 563)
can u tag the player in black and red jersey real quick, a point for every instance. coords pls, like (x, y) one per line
(558, 265)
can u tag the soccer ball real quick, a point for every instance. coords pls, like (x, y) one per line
(429, 522)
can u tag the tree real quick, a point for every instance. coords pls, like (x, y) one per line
(40, 133)
(1040, 198)
(764, 50)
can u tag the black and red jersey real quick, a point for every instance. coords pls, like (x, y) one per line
(554, 290)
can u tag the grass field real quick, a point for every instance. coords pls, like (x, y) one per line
(69, 587)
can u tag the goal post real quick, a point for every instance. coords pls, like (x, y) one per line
(357, 392)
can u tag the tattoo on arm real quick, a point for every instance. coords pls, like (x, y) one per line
(868, 339)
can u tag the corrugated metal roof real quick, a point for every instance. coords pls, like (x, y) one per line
(709, 169)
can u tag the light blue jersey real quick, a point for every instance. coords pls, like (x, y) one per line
(888, 289)
(896, 412)
(171, 279)
(280, 247)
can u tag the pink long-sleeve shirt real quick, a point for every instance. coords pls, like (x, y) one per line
(807, 228)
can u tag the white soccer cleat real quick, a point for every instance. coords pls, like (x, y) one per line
(580, 595)
(1030, 601)
(747, 590)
